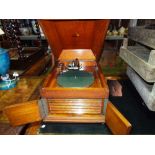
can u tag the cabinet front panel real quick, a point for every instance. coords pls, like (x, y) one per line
(75, 106)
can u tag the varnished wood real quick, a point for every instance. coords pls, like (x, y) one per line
(73, 93)
(71, 39)
(38, 67)
(100, 30)
(80, 110)
(116, 122)
(21, 93)
(52, 90)
(81, 54)
(76, 102)
(70, 118)
(75, 106)
(23, 113)
(33, 128)
(66, 100)
(75, 34)
(78, 105)
(103, 81)
(29, 112)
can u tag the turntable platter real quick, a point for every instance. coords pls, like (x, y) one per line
(75, 78)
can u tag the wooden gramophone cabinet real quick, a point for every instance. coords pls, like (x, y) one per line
(71, 39)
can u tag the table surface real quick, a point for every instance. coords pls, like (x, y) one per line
(24, 91)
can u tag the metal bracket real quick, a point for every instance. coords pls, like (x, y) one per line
(105, 105)
(43, 107)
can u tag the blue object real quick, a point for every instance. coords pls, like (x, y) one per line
(4, 67)
(4, 62)
(5, 85)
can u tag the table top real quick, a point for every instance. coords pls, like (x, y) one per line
(23, 92)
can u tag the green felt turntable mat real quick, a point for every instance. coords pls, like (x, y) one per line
(75, 78)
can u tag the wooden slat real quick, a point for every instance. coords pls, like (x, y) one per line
(116, 122)
(20, 114)
(75, 111)
(75, 102)
(75, 106)
(70, 118)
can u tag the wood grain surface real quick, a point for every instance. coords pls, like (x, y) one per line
(75, 34)
(71, 39)
(33, 128)
(116, 122)
(73, 106)
(98, 89)
(70, 118)
(23, 113)
(38, 67)
(81, 54)
(21, 93)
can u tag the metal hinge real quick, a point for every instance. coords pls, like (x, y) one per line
(43, 107)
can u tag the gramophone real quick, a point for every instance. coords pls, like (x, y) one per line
(6, 82)
(75, 91)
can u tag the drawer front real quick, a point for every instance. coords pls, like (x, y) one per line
(75, 106)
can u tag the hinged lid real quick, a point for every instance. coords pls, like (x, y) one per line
(75, 34)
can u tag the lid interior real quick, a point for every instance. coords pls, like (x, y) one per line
(75, 34)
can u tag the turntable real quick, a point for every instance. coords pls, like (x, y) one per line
(76, 90)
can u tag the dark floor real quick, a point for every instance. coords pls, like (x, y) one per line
(74, 129)
(130, 105)
(133, 108)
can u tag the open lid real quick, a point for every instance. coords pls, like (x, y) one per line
(75, 34)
